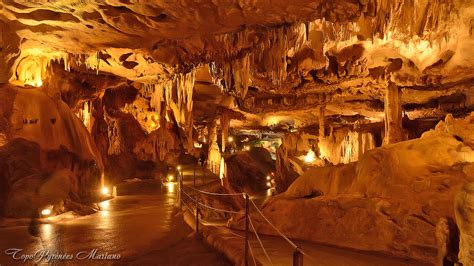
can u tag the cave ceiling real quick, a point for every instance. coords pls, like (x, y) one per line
(267, 62)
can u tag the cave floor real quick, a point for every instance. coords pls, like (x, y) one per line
(143, 225)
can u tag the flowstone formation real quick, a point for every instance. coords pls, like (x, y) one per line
(48, 156)
(390, 200)
(356, 112)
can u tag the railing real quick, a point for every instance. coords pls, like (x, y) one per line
(298, 254)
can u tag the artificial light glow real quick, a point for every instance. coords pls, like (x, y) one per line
(268, 177)
(178, 167)
(170, 178)
(170, 187)
(46, 212)
(105, 191)
(230, 139)
(104, 204)
(269, 184)
(247, 148)
(310, 156)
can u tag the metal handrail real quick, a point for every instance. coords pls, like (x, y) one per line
(297, 254)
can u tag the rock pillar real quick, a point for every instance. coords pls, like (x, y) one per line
(321, 122)
(393, 115)
(214, 155)
(225, 123)
(464, 211)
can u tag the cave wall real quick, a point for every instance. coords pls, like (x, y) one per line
(391, 200)
(341, 146)
(48, 156)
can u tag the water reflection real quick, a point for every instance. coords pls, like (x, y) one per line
(170, 187)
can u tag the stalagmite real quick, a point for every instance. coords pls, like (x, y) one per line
(393, 114)
(464, 210)
(214, 154)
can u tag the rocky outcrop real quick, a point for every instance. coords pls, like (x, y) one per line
(247, 171)
(464, 209)
(341, 146)
(48, 155)
(390, 201)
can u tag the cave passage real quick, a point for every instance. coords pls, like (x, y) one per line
(264, 132)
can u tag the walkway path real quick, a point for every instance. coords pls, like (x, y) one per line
(281, 252)
(142, 226)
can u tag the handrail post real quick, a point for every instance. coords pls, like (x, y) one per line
(246, 248)
(194, 176)
(180, 192)
(203, 170)
(197, 213)
(297, 257)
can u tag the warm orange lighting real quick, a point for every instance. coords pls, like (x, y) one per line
(230, 139)
(247, 148)
(269, 184)
(46, 212)
(170, 178)
(268, 177)
(310, 156)
(178, 167)
(104, 204)
(105, 191)
(170, 186)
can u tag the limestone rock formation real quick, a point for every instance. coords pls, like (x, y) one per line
(247, 171)
(464, 210)
(389, 201)
(48, 155)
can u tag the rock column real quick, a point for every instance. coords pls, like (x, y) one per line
(321, 122)
(214, 155)
(393, 115)
(464, 211)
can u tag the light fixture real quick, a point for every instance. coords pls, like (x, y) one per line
(310, 156)
(170, 178)
(269, 184)
(247, 148)
(178, 167)
(105, 191)
(46, 212)
(230, 139)
(268, 177)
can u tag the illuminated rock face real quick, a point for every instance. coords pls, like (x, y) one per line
(48, 157)
(390, 200)
(153, 80)
(464, 208)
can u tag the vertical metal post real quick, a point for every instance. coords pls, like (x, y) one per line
(194, 176)
(197, 213)
(202, 177)
(297, 257)
(180, 196)
(246, 248)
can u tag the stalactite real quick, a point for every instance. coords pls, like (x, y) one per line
(225, 123)
(85, 114)
(393, 114)
(270, 56)
(354, 145)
